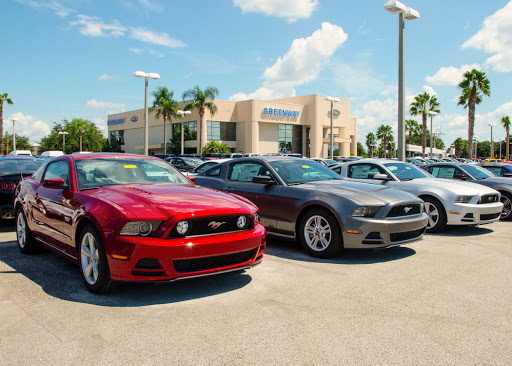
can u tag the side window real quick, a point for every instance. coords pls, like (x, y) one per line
(497, 170)
(214, 172)
(58, 169)
(244, 172)
(204, 167)
(445, 172)
(38, 173)
(364, 171)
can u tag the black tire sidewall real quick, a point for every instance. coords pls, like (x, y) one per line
(336, 244)
(509, 196)
(29, 240)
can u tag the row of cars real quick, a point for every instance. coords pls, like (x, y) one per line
(126, 217)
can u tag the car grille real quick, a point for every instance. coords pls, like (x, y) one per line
(406, 235)
(6, 198)
(489, 216)
(489, 198)
(206, 226)
(405, 210)
(202, 264)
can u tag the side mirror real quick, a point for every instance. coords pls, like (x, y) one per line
(460, 176)
(263, 179)
(192, 179)
(55, 183)
(508, 175)
(381, 176)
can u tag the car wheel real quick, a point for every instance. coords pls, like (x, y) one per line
(319, 234)
(436, 215)
(24, 237)
(506, 199)
(93, 262)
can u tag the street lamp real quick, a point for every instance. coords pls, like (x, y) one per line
(431, 114)
(14, 119)
(63, 133)
(182, 113)
(500, 140)
(332, 100)
(475, 140)
(146, 75)
(492, 142)
(404, 13)
(80, 132)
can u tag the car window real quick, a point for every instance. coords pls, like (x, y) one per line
(364, 171)
(58, 169)
(442, 171)
(478, 172)
(204, 167)
(214, 172)
(496, 170)
(244, 172)
(406, 171)
(296, 171)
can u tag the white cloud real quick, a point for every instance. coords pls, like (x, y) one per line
(429, 90)
(27, 126)
(54, 6)
(495, 37)
(450, 75)
(138, 51)
(291, 10)
(375, 113)
(151, 6)
(160, 39)
(107, 77)
(301, 64)
(105, 107)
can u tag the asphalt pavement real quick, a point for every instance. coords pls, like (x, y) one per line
(445, 300)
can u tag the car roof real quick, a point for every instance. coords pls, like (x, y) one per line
(110, 155)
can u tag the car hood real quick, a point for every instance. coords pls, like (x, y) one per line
(497, 180)
(455, 187)
(162, 201)
(363, 193)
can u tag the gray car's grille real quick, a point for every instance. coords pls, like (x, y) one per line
(405, 210)
(407, 235)
(202, 264)
(485, 217)
(489, 198)
(213, 225)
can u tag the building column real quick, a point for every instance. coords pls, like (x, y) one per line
(317, 137)
(255, 137)
(204, 135)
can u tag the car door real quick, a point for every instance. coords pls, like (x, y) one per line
(448, 172)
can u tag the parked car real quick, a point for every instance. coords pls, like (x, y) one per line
(210, 156)
(205, 166)
(499, 169)
(21, 152)
(125, 217)
(475, 174)
(326, 162)
(304, 200)
(232, 156)
(446, 202)
(164, 156)
(51, 154)
(184, 164)
(12, 170)
(250, 155)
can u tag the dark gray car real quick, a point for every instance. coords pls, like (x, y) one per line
(475, 174)
(304, 200)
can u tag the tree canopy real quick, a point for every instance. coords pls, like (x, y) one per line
(92, 138)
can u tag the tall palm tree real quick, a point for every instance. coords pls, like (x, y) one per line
(385, 134)
(201, 100)
(475, 82)
(3, 98)
(424, 103)
(414, 129)
(165, 106)
(505, 121)
(370, 142)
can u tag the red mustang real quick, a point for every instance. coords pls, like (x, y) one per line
(126, 217)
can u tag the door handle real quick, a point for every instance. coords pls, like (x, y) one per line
(228, 189)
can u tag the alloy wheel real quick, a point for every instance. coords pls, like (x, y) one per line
(317, 233)
(433, 214)
(90, 258)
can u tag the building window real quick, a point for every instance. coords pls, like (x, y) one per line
(290, 139)
(221, 131)
(117, 135)
(189, 131)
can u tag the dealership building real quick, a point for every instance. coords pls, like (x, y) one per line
(290, 125)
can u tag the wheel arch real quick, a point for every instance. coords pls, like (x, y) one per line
(422, 196)
(313, 205)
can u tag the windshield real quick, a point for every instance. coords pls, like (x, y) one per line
(477, 172)
(294, 171)
(94, 173)
(193, 161)
(405, 171)
(13, 166)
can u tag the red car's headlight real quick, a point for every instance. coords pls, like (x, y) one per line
(135, 228)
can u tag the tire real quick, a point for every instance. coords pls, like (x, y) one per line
(320, 234)
(24, 237)
(506, 199)
(436, 215)
(93, 262)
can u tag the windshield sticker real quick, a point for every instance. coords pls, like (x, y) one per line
(130, 167)
(305, 166)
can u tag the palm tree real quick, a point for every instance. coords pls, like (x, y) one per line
(165, 106)
(505, 121)
(474, 82)
(414, 128)
(424, 103)
(3, 98)
(385, 134)
(200, 101)
(370, 142)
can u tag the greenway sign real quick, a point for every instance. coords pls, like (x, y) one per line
(278, 112)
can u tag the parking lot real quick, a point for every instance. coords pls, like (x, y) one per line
(445, 300)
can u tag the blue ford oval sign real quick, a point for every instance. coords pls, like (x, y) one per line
(134, 118)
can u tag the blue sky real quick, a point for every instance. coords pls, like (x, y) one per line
(75, 58)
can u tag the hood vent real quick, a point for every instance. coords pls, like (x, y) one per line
(138, 190)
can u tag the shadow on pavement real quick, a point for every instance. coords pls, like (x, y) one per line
(462, 230)
(61, 278)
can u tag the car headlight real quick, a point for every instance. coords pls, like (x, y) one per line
(134, 228)
(241, 222)
(365, 211)
(256, 217)
(463, 199)
(183, 227)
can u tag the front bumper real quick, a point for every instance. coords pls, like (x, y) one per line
(473, 214)
(154, 259)
(364, 233)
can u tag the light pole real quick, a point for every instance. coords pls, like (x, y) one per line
(146, 75)
(332, 100)
(182, 113)
(404, 13)
(63, 133)
(475, 140)
(492, 142)
(14, 134)
(80, 132)
(500, 140)
(431, 114)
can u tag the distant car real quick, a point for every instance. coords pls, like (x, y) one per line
(493, 160)
(250, 155)
(209, 156)
(12, 170)
(21, 152)
(163, 156)
(134, 218)
(475, 174)
(446, 202)
(304, 200)
(325, 162)
(499, 169)
(232, 156)
(206, 165)
(51, 153)
(293, 155)
(184, 164)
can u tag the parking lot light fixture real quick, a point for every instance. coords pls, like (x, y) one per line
(146, 76)
(63, 133)
(492, 142)
(431, 114)
(14, 119)
(332, 100)
(404, 13)
(182, 113)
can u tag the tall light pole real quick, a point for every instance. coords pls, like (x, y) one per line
(404, 13)
(431, 114)
(332, 100)
(14, 133)
(146, 75)
(500, 140)
(63, 133)
(475, 140)
(492, 142)
(80, 132)
(182, 113)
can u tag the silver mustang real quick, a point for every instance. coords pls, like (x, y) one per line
(446, 202)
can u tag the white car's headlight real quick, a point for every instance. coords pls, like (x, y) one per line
(365, 211)
(463, 199)
(134, 228)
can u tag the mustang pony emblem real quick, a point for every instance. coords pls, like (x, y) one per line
(407, 209)
(215, 224)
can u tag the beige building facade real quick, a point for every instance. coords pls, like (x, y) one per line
(290, 125)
